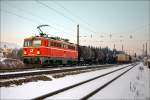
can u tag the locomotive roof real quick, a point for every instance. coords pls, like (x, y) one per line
(49, 38)
(34, 37)
(61, 41)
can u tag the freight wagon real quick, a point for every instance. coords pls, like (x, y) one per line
(123, 58)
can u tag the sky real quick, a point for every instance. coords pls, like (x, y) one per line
(102, 23)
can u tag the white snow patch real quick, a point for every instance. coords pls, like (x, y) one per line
(34, 89)
(134, 85)
(86, 88)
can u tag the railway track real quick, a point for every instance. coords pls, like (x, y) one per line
(74, 89)
(49, 71)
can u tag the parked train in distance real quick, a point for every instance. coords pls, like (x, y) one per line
(123, 58)
(46, 50)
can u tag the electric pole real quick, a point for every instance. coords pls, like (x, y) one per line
(143, 50)
(149, 37)
(122, 47)
(78, 44)
(114, 47)
(146, 49)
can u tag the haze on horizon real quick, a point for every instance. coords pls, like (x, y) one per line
(102, 23)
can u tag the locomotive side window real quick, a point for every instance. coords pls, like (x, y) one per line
(55, 44)
(58, 44)
(36, 42)
(52, 43)
(71, 47)
(27, 43)
(49, 43)
(64, 45)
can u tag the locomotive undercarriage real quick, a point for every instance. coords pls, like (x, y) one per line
(49, 60)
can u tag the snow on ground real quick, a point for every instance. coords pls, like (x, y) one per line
(2, 59)
(34, 89)
(9, 63)
(135, 85)
(86, 88)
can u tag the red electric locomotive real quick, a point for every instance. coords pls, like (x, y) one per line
(49, 50)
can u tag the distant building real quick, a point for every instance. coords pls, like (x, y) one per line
(5, 52)
(1, 53)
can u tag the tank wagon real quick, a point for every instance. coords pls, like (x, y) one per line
(123, 58)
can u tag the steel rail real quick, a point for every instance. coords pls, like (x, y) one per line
(106, 84)
(78, 84)
(49, 71)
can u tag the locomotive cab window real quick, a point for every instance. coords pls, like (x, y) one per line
(71, 47)
(49, 43)
(36, 42)
(27, 43)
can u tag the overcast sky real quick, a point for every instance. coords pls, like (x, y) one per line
(102, 23)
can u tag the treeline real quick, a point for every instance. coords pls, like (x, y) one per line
(97, 55)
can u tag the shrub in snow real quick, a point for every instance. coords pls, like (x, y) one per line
(8, 63)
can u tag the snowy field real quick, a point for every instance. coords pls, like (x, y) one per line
(133, 85)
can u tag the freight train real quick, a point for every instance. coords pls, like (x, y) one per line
(46, 50)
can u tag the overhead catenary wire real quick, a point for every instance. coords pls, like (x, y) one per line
(72, 14)
(62, 14)
(31, 20)
(41, 19)
(77, 17)
(22, 17)
(53, 9)
(30, 13)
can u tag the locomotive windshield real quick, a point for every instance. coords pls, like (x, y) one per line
(36, 42)
(28, 43)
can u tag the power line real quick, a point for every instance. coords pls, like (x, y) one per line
(39, 17)
(22, 17)
(62, 14)
(25, 18)
(139, 28)
(58, 12)
(28, 12)
(78, 17)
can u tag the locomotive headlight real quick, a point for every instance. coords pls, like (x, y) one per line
(25, 52)
(38, 52)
